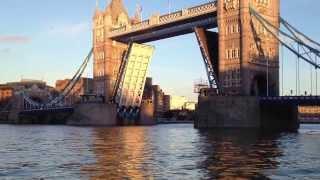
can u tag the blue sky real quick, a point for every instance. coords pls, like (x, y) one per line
(45, 39)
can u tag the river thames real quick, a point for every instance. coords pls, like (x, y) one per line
(158, 152)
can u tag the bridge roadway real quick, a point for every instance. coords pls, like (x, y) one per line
(287, 100)
(292, 100)
(168, 25)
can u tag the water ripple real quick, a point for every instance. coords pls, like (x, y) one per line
(160, 152)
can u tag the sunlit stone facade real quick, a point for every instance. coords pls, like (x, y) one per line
(108, 53)
(82, 87)
(246, 50)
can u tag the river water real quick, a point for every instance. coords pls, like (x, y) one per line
(159, 152)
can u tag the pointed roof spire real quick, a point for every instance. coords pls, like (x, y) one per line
(97, 4)
(97, 10)
(115, 8)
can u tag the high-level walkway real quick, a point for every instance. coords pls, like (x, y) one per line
(168, 25)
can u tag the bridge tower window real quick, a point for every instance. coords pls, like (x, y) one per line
(227, 54)
(232, 29)
(233, 53)
(262, 2)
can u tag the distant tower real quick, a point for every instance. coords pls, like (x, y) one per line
(107, 53)
(248, 55)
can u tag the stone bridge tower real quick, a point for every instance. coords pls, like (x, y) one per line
(248, 54)
(108, 53)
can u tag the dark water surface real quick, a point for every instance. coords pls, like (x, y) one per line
(159, 152)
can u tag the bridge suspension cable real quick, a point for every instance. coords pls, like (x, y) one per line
(298, 72)
(311, 82)
(300, 35)
(83, 65)
(316, 77)
(69, 87)
(282, 70)
(308, 45)
(31, 104)
(301, 45)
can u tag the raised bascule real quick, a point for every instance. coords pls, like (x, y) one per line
(241, 58)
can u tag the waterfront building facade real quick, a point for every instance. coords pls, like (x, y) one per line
(83, 87)
(28, 84)
(6, 93)
(309, 114)
(177, 102)
(191, 106)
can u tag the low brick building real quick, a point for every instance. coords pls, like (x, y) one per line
(309, 114)
(83, 87)
(166, 103)
(153, 93)
(6, 93)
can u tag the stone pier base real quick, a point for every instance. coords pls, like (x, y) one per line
(94, 114)
(283, 117)
(245, 112)
(43, 118)
(147, 114)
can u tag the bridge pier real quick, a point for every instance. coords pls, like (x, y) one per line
(17, 106)
(279, 116)
(147, 114)
(94, 114)
(46, 117)
(245, 112)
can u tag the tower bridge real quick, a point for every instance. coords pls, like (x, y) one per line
(241, 60)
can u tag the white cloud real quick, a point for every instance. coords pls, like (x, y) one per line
(14, 39)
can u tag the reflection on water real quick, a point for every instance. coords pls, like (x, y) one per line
(159, 152)
(120, 152)
(240, 154)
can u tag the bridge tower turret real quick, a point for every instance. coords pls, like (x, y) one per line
(108, 53)
(248, 54)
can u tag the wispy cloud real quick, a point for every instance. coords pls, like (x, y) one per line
(70, 30)
(14, 39)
